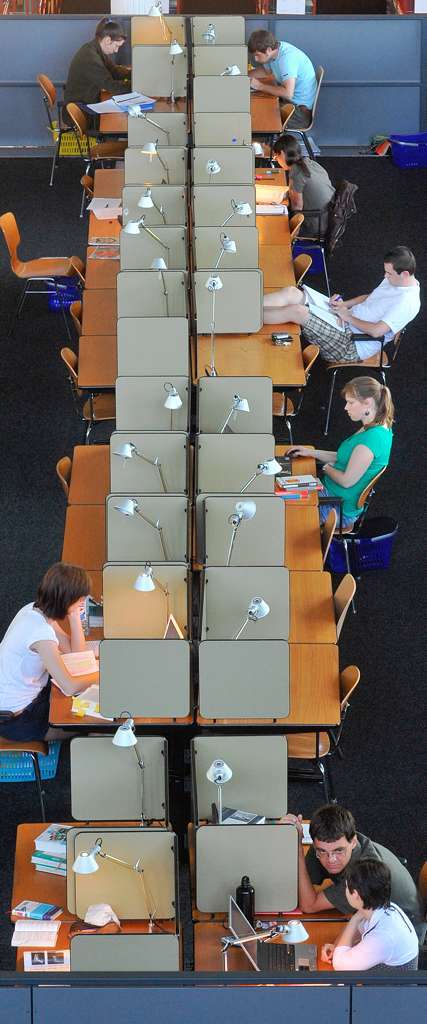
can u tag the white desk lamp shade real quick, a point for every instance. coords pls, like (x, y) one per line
(214, 283)
(158, 263)
(210, 35)
(240, 404)
(156, 10)
(294, 933)
(126, 450)
(135, 110)
(146, 202)
(228, 244)
(144, 582)
(258, 609)
(125, 734)
(257, 148)
(132, 227)
(175, 48)
(86, 863)
(219, 772)
(150, 149)
(213, 167)
(243, 209)
(231, 69)
(270, 467)
(173, 400)
(127, 506)
(245, 509)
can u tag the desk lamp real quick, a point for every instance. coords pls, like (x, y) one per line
(86, 863)
(156, 11)
(174, 51)
(160, 265)
(210, 35)
(243, 510)
(146, 202)
(133, 227)
(125, 737)
(219, 773)
(173, 400)
(230, 70)
(239, 405)
(213, 167)
(128, 450)
(257, 148)
(227, 245)
(243, 209)
(268, 468)
(129, 507)
(136, 111)
(258, 609)
(213, 284)
(146, 583)
(150, 150)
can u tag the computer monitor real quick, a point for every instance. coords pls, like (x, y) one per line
(241, 929)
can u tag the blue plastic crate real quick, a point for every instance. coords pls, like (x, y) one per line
(16, 767)
(313, 251)
(409, 150)
(371, 550)
(70, 292)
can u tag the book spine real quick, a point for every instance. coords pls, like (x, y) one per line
(39, 855)
(52, 871)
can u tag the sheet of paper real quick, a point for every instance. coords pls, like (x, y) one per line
(44, 961)
(105, 209)
(80, 663)
(319, 306)
(30, 933)
(119, 104)
(271, 209)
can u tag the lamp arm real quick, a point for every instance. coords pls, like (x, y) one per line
(159, 528)
(219, 259)
(240, 631)
(165, 291)
(156, 124)
(156, 237)
(165, 167)
(245, 487)
(141, 767)
(227, 219)
(165, 591)
(160, 211)
(227, 420)
(231, 546)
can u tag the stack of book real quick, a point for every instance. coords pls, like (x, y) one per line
(296, 488)
(50, 852)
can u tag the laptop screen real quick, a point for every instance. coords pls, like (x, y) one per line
(240, 927)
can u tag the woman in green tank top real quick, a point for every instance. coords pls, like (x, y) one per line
(360, 457)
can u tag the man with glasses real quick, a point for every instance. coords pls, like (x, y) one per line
(336, 847)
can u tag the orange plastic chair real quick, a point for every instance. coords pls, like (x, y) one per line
(56, 125)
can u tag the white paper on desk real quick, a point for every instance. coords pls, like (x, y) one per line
(89, 700)
(105, 209)
(32, 933)
(119, 104)
(80, 663)
(271, 209)
(319, 305)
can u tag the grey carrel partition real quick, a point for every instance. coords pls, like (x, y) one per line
(131, 614)
(216, 397)
(226, 130)
(268, 855)
(149, 31)
(169, 449)
(155, 849)
(137, 252)
(140, 403)
(228, 592)
(140, 293)
(238, 305)
(244, 680)
(260, 774)
(212, 205)
(152, 345)
(215, 94)
(172, 199)
(237, 165)
(130, 536)
(207, 247)
(108, 785)
(151, 70)
(225, 462)
(213, 60)
(228, 29)
(125, 952)
(171, 129)
(258, 541)
(144, 169)
(155, 684)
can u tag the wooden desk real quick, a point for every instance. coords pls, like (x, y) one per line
(84, 537)
(117, 124)
(238, 355)
(99, 311)
(273, 229)
(103, 228)
(275, 261)
(97, 361)
(108, 184)
(90, 474)
(312, 616)
(101, 273)
(60, 714)
(265, 114)
(207, 946)
(303, 549)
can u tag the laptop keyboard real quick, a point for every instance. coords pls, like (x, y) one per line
(275, 956)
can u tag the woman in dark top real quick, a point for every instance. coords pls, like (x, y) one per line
(92, 70)
(309, 185)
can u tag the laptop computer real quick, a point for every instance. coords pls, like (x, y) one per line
(268, 956)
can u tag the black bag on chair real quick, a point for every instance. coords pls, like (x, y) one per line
(341, 209)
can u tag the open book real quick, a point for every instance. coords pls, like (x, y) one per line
(121, 103)
(319, 305)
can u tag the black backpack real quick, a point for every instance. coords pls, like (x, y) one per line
(342, 207)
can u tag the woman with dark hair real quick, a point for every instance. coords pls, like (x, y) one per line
(31, 651)
(310, 187)
(379, 934)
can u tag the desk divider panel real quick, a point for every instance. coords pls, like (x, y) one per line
(220, 95)
(140, 293)
(237, 165)
(267, 853)
(171, 198)
(227, 130)
(171, 449)
(107, 784)
(152, 70)
(215, 399)
(243, 680)
(125, 952)
(130, 536)
(225, 462)
(207, 247)
(149, 31)
(213, 60)
(171, 129)
(152, 345)
(212, 205)
(137, 252)
(260, 774)
(140, 403)
(238, 304)
(113, 884)
(156, 683)
(258, 541)
(144, 169)
(228, 30)
(227, 595)
(131, 614)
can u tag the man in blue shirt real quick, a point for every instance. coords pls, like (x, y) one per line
(292, 70)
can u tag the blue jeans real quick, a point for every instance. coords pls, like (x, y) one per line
(324, 510)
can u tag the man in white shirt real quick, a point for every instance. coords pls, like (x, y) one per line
(335, 324)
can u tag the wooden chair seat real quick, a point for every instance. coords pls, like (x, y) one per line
(370, 361)
(104, 407)
(108, 150)
(61, 266)
(303, 745)
(24, 746)
(279, 405)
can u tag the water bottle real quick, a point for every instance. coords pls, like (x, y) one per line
(245, 899)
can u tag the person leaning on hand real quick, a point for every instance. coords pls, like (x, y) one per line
(337, 848)
(292, 70)
(31, 648)
(92, 70)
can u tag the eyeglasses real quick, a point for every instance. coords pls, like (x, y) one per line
(331, 854)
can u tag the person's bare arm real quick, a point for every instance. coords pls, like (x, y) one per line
(359, 461)
(296, 200)
(54, 664)
(304, 452)
(376, 330)
(285, 91)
